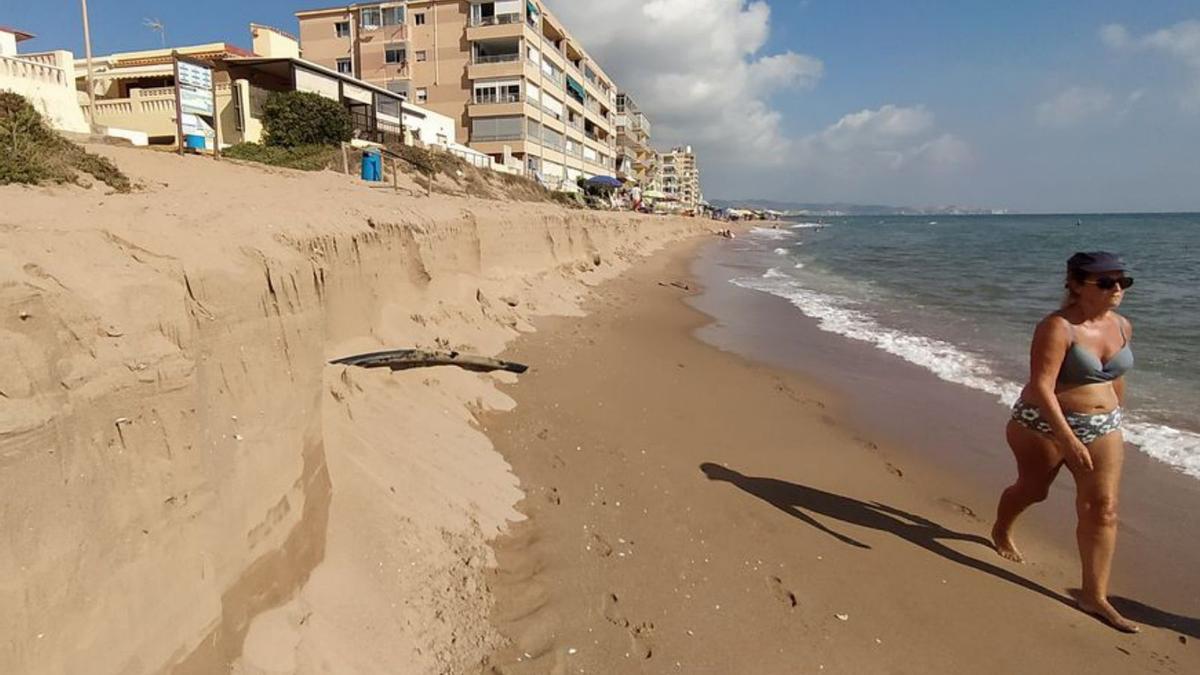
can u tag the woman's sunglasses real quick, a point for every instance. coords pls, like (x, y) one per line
(1109, 283)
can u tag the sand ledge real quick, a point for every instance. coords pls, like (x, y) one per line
(190, 488)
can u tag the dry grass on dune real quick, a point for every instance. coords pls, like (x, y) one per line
(33, 153)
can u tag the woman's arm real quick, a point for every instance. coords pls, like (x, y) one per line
(1119, 383)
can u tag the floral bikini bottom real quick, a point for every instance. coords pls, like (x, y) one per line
(1087, 427)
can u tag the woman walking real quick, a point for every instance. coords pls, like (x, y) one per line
(1070, 413)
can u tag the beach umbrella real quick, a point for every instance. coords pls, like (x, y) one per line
(603, 181)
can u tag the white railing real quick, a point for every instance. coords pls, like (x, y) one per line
(497, 20)
(498, 58)
(21, 68)
(157, 100)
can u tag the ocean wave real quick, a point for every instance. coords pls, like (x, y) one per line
(802, 226)
(774, 273)
(1177, 448)
(781, 251)
(771, 233)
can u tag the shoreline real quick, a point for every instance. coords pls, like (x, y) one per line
(836, 548)
(956, 433)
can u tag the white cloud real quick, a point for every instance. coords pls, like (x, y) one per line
(697, 68)
(1180, 42)
(888, 139)
(1073, 106)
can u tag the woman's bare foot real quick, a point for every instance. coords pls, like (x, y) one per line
(1105, 612)
(1005, 546)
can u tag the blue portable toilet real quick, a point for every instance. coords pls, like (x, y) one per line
(372, 166)
(194, 142)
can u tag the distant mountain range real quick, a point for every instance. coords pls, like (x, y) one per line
(841, 209)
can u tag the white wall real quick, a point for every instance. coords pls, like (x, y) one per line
(8, 44)
(434, 129)
(49, 87)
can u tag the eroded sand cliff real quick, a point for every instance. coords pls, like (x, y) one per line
(189, 487)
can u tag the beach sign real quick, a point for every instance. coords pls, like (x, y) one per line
(195, 98)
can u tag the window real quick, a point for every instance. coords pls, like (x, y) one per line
(371, 17)
(422, 55)
(496, 128)
(532, 163)
(533, 93)
(508, 91)
(345, 66)
(419, 18)
(393, 16)
(422, 94)
(342, 29)
(394, 53)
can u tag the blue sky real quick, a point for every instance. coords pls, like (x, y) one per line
(1021, 105)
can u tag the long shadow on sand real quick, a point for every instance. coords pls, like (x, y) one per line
(800, 501)
(1153, 616)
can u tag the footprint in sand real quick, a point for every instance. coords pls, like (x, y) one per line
(612, 611)
(895, 470)
(959, 508)
(553, 497)
(780, 591)
(639, 635)
(600, 547)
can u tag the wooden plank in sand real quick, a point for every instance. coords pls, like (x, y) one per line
(403, 359)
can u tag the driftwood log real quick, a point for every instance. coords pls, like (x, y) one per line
(403, 359)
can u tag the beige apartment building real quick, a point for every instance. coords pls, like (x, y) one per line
(521, 88)
(679, 177)
(636, 160)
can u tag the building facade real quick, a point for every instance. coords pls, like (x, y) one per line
(522, 89)
(636, 159)
(679, 177)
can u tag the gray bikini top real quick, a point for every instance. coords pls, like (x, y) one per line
(1081, 366)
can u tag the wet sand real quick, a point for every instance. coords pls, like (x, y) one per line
(693, 511)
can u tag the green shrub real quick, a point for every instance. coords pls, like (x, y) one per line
(31, 152)
(303, 157)
(295, 118)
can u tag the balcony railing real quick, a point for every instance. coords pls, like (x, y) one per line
(498, 98)
(496, 20)
(498, 58)
(484, 138)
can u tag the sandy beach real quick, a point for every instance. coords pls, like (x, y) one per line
(694, 511)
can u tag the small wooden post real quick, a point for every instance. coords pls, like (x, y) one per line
(178, 102)
(345, 159)
(395, 177)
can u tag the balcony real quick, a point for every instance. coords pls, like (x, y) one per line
(500, 64)
(498, 26)
(151, 111)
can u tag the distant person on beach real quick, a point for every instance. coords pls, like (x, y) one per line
(1070, 413)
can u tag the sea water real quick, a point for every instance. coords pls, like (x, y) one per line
(961, 295)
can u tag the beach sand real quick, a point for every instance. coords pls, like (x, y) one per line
(692, 511)
(188, 486)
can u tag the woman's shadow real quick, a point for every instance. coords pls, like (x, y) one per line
(801, 501)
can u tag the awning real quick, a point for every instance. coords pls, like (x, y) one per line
(575, 88)
(531, 8)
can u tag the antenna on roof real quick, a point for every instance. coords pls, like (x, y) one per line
(157, 25)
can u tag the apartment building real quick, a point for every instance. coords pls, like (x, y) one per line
(636, 160)
(679, 177)
(521, 88)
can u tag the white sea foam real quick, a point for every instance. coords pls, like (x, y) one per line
(774, 273)
(799, 266)
(771, 233)
(803, 226)
(1177, 448)
(781, 251)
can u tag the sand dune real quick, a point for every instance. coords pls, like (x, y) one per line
(190, 488)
